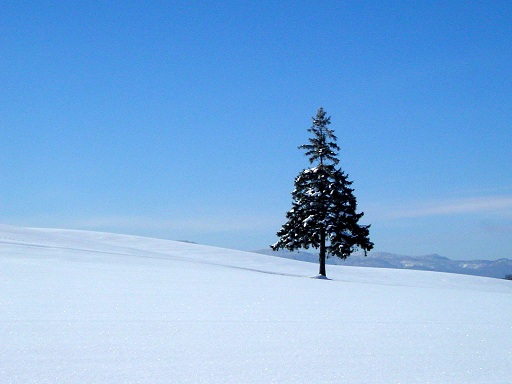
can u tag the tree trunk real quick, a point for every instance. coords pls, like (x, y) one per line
(321, 257)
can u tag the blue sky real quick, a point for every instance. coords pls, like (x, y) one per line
(182, 119)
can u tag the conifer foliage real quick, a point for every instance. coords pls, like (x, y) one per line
(323, 214)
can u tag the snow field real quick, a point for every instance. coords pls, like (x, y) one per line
(81, 306)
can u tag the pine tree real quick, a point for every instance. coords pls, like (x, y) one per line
(323, 214)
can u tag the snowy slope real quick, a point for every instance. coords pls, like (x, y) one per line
(81, 307)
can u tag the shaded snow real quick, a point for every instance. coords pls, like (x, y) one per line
(81, 307)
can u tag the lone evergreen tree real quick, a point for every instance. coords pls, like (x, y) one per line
(323, 214)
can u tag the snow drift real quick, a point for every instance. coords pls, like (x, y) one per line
(82, 306)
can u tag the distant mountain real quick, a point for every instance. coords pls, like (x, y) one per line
(489, 268)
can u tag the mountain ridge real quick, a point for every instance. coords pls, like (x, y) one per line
(433, 262)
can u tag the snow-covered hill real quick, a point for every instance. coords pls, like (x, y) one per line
(80, 307)
(488, 268)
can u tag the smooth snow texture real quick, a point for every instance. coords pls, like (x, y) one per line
(80, 307)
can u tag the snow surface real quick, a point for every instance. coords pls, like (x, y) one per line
(79, 307)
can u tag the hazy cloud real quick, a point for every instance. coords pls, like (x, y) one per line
(501, 205)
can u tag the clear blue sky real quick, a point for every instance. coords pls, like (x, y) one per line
(181, 120)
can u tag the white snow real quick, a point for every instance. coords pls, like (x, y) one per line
(85, 307)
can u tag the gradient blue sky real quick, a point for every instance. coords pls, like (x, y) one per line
(181, 120)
